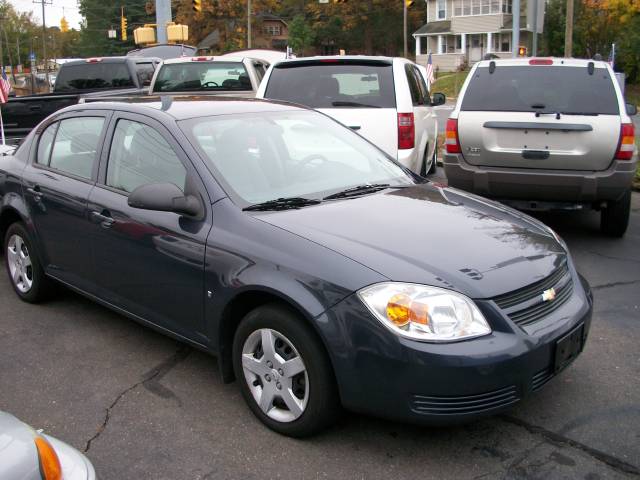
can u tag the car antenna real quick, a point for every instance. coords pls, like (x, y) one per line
(492, 66)
(591, 68)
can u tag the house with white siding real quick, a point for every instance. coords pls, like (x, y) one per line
(461, 32)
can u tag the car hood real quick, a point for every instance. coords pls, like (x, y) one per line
(431, 235)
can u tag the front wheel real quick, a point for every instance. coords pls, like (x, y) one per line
(284, 373)
(614, 219)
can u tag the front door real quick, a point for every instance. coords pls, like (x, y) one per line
(149, 263)
(475, 48)
(58, 179)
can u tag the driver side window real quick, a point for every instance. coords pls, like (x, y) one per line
(140, 156)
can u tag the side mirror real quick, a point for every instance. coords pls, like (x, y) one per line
(438, 99)
(165, 197)
(632, 109)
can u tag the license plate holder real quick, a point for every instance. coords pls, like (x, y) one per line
(569, 347)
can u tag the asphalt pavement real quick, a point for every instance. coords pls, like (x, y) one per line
(144, 406)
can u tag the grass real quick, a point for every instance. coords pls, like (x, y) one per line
(449, 83)
(632, 94)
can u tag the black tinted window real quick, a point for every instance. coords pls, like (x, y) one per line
(93, 75)
(202, 76)
(76, 145)
(330, 85)
(416, 94)
(548, 88)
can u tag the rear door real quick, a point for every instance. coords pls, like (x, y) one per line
(540, 116)
(359, 93)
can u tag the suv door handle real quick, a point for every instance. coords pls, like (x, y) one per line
(104, 218)
(35, 191)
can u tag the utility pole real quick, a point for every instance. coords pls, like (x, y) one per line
(248, 23)
(515, 36)
(404, 28)
(44, 41)
(6, 42)
(534, 46)
(163, 16)
(568, 31)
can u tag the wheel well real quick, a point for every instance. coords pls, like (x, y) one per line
(234, 312)
(7, 218)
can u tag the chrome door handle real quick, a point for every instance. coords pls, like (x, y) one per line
(104, 220)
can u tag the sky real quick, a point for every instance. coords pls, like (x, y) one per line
(53, 11)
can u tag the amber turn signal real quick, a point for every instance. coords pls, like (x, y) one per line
(50, 468)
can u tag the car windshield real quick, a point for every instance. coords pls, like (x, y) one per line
(267, 156)
(324, 84)
(202, 76)
(545, 88)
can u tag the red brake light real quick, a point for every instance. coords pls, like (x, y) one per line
(626, 144)
(329, 60)
(201, 59)
(541, 61)
(93, 60)
(451, 140)
(406, 131)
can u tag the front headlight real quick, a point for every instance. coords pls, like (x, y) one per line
(424, 313)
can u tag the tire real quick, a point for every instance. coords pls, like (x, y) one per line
(26, 274)
(614, 219)
(313, 392)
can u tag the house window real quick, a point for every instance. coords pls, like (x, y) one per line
(501, 42)
(273, 30)
(506, 6)
(441, 10)
(458, 42)
(478, 7)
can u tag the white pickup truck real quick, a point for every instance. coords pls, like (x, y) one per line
(236, 76)
(384, 99)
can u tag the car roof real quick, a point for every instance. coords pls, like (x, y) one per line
(112, 60)
(198, 58)
(557, 61)
(185, 107)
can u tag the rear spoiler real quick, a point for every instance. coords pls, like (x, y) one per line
(335, 61)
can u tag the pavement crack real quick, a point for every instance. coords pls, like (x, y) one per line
(557, 439)
(613, 257)
(614, 284)
(153, 375)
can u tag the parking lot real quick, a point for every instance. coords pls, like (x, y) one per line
(143, 406)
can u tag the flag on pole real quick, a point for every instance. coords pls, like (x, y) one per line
(430, 77)
(5, 87)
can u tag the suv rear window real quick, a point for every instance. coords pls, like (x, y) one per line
(333, 85)
(93, 75)
(541, 88)
(202, 76)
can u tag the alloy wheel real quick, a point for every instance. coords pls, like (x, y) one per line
(20, 266)
(276, 375)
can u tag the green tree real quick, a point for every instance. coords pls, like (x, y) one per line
(301, 35)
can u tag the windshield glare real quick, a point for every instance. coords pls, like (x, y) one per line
(202, 76)
(261, 157)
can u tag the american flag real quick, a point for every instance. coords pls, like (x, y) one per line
(4, 87)
(430, 77)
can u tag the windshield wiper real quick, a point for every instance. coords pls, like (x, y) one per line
(353, 104)
(282, 204)
(358, 190)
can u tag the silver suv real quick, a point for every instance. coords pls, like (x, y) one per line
(545, 133)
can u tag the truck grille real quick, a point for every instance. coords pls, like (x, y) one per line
(526, 306)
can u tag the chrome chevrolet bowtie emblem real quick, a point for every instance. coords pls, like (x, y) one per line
(549, 295)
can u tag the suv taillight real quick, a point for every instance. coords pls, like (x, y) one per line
(451, 140)
(626, 143)
(406, 131)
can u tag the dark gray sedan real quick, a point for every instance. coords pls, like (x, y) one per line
(319, 271)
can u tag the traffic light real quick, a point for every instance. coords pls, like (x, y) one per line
(123, 27)
(522, 51)
(64, 25)
(409, 3)
(197, 5)
(339, 1)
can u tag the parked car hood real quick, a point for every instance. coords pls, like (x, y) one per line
(431, 235)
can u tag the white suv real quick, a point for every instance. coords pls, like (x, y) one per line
(386, 100)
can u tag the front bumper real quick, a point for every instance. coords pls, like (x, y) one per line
(382, 374)
(540, 185)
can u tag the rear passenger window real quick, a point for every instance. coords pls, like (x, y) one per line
(76, 145)
(416, 96)
(140, 156)
(44, 145)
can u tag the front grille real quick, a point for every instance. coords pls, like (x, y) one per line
(540, 378)
(525, 306)
(460, 405)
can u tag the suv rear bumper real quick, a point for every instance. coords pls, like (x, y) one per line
(541, 185)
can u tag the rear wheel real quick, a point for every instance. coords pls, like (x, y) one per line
(614, 219)
(284, 373)
(23, 267)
